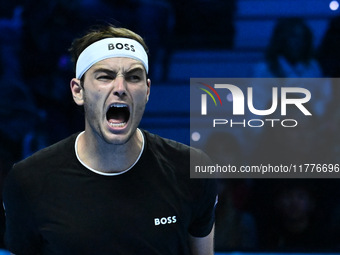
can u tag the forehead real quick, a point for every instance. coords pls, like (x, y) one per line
(117, 64)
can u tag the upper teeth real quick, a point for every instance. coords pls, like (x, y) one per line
(118, 105)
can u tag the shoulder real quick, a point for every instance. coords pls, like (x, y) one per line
(174, 160)
(35, 167)
(50, 155)
(171, 149)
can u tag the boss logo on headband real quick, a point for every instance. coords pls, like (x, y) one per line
(120, 46)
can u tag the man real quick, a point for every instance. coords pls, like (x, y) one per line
(112, 189)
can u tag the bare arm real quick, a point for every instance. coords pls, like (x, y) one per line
(202, 245)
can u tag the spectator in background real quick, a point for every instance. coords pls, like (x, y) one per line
(290, 54)
(296, 223)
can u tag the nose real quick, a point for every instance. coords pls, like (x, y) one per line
(119, 86)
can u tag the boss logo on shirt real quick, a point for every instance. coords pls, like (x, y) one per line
(165, 220)
(120, 46)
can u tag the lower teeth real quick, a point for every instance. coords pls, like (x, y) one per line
(117, 124)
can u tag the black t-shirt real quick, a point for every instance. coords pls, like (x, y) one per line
(55, 205)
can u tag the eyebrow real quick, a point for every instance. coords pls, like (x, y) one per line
(109, 71)
(135, 69)
(104, 70)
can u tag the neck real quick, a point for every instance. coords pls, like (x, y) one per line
(109, 158)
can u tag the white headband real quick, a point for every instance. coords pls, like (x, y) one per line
(110, 48)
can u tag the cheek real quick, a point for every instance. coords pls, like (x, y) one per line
(140, 96)
(91, 102)
(93, 96)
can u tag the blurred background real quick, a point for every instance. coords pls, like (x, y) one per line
(191, 39)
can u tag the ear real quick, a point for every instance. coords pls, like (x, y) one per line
(77, 91)
(148, 83)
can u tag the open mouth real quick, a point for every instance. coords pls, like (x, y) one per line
(118, 115)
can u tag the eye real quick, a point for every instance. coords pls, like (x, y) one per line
(105, 77)
(133, 78)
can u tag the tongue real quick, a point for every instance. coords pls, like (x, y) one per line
(117, 118)
(116, 121)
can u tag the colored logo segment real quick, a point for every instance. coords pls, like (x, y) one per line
(209, 93)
